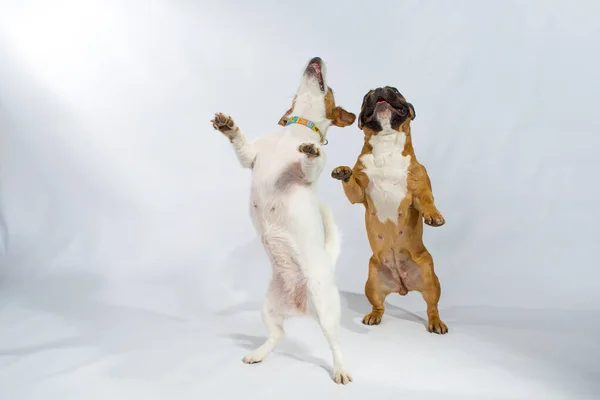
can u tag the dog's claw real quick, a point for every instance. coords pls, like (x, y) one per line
(309, 149)
(252, 359)
(223, 123)
(437, 326)
(433, 218)
(341, 173)
(372, 318)
(342, 377)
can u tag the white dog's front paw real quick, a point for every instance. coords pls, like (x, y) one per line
(310, 149)
(342, 377)
(224, 124)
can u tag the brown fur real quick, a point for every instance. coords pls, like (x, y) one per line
(338, 116)
(400, 262)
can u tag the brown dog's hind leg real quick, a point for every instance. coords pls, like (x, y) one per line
(375, 294)
(431, 291)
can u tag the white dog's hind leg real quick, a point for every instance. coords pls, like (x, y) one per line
(273, 317)
(332, 235)
(325, 299)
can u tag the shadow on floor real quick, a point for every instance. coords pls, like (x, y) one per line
(287, 348)
(354, 308)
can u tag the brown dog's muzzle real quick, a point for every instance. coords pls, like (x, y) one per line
(384, 98)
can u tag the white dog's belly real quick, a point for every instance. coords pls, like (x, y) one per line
(288, 281)
(271, 219)
(286, 215)
(291, 232)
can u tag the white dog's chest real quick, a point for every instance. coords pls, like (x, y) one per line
(387, 170)
(278, 193)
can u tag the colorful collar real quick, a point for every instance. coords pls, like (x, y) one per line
(307, 123)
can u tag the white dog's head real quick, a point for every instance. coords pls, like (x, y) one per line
(314, 100)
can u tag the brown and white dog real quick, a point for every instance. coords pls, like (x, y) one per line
(396, 192)
(297, 230)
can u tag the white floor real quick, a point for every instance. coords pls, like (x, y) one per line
(57, 342)
(131, 268)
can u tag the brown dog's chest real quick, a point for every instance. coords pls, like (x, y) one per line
(385, 170)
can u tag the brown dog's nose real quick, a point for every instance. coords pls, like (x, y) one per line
(379, 93)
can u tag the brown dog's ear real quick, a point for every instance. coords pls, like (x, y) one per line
(362, 107)
(284, 118)
(342, 117)
(413, 114)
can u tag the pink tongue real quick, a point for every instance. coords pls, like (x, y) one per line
(381, 101)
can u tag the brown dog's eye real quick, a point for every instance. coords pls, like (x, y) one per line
(402, 111)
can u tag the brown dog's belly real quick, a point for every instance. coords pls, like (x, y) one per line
(398, 273)
(394, 245)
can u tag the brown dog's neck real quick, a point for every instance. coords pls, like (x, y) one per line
(408, 147)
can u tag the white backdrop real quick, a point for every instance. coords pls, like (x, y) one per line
(127, 249)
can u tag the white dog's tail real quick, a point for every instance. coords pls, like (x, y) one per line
(332, 234)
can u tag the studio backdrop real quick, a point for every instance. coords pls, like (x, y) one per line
(124, 216)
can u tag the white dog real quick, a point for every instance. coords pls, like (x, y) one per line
(297, 230)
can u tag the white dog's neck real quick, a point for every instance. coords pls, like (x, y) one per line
(311, 106)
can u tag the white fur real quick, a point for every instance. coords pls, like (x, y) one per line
(297, 230)
(387, 170)
(332, 235)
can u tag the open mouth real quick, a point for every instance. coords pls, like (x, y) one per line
(380, 105)
(314, 69)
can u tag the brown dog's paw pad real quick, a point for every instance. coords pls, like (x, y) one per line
(373, 318)
(341, 173)
(223, 123)
(310, 149)
(437, 326)
(433, 218)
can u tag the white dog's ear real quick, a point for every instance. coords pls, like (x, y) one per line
(284, 118)
(342, 118)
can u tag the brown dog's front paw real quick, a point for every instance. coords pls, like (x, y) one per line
(309, 149)
(372, 318)
(437, 326)
(224, 124)
(341, 173)
(433, 218)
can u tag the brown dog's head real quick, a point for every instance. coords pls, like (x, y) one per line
(385, 108)
(314, 100)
